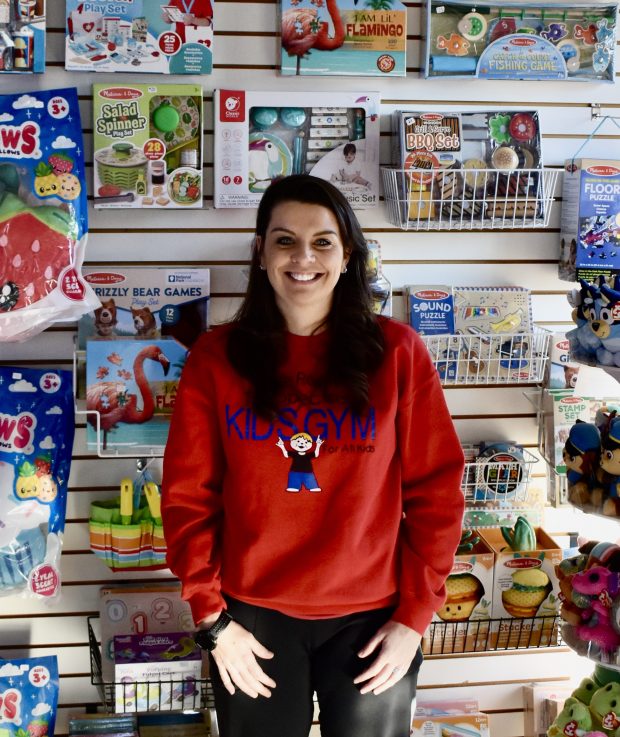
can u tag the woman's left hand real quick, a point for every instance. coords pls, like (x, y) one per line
(398, 645)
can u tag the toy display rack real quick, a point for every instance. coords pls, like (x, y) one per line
(496, 481)
(481, 635)
(202, 699)
(518, 358)
(489, 202)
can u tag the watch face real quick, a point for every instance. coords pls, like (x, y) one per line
(204, 640)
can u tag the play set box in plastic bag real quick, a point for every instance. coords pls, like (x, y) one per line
(148, 146)
(150, 36)
(260, 136)
(43, 213)
(22, 36)
(530, 41)
(342, 38)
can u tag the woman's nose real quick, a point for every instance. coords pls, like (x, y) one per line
(303, 252)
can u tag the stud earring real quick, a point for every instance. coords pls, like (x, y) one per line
(344, 271)
(262, 268)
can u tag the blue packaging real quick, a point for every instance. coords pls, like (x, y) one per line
(36, 439)
(28, 696)
(430, 309)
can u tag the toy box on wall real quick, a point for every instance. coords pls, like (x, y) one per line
(148, 146)
(156, 671)
(590, 224)
(139, 609)
(469, 590)
(342, 38)
(131, 388)
(521, 40)
(263, 135)
(451, 725)
(22, 35)
(525, 587)
(173, 37)
(146, 302)
(469, 164)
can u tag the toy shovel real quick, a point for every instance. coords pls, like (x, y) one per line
(153, 498)
(126, 501)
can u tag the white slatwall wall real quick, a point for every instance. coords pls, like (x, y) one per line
(245, 55)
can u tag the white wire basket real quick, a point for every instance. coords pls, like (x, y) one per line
(517, 358)
(501, 478)
(468, 199)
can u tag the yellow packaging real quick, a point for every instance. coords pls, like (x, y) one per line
(455, 725)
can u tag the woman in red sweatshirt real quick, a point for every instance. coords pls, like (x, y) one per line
(311, 491)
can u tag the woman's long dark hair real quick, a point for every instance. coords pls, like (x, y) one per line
(256, 344)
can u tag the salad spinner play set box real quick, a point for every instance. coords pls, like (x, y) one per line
(148, 145)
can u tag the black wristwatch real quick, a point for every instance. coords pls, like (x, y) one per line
(207, 639)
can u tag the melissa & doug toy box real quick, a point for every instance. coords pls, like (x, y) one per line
(590, 224)
(468, 165)
(463, 621)
(505, 40)
(22, 35)
(342, 38)
(263, 135)
(173, 37)
(148, 146)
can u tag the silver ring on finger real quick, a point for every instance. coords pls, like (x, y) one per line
(396, 670)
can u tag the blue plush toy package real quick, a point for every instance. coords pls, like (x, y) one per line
(28, 696)
(36, 439)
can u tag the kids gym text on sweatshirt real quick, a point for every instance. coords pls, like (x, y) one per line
(321, 512)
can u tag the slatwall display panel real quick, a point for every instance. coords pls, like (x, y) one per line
(245, 57)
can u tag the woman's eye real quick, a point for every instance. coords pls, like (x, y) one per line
(284, 241)
(322, 243)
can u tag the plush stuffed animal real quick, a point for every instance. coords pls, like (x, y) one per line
(605, 708)
(581, 456)
(610, 464)
(603, 586)
(573, 717)
(585, 690)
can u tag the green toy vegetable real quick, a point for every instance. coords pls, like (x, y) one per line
(520, 537)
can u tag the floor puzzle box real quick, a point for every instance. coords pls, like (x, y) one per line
(173, 37)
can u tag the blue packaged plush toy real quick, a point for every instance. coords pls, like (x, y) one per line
(28, 696)
(36, 439)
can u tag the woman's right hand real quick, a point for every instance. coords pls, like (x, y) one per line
(235, 656)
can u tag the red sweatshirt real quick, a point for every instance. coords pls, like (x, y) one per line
(359, 513)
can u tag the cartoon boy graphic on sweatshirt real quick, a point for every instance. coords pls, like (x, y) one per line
(301, 455)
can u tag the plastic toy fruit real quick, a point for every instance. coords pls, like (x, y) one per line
(520, 537)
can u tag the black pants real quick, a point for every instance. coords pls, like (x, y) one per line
(314, 655)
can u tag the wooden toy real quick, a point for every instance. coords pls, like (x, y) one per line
(575, 41)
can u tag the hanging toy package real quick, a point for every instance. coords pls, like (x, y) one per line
(28, 696)
(36, 439)
(43, 213)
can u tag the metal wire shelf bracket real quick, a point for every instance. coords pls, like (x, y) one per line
(468, 199)
(492, 635)
(120, 697)
(518, 358)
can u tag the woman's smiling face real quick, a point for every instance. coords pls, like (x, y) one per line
(304, 257)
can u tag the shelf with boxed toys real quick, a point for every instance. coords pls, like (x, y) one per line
(502, 592)
(154, 672)
(467, 171)
(479, 335)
